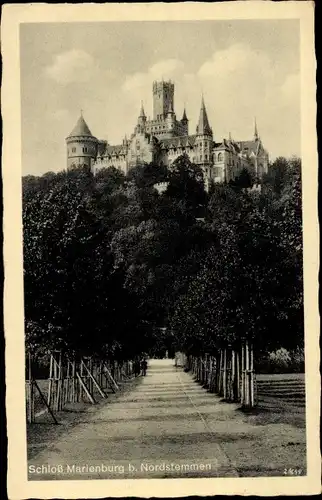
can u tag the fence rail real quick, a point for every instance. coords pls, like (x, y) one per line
(229, 373)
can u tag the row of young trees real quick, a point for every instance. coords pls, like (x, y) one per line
(109, 261)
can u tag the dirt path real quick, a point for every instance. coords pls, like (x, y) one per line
(156, 430)
(169, 426)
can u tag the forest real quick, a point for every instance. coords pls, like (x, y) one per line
(115, 267)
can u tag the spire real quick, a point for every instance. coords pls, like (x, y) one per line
(230, 136)
(184, 117)
(81, 128)
(256, 136)
(142, 114)
(203, 126)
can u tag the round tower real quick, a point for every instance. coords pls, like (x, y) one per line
(81, 145)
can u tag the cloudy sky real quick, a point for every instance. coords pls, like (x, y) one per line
(244, 69)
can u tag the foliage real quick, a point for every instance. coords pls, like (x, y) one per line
(108, 260)
(281, 361)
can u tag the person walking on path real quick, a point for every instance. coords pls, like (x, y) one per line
(144, 366)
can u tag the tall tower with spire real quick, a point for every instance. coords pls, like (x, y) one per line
(81, 145)
(203, 127)
(204, 140)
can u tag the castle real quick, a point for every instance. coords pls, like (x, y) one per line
(164, 138)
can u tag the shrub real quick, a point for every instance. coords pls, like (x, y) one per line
(281, 361)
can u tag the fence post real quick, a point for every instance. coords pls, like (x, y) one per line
(225, 374)
(247, 374)
(237, 377)
(31, 392)
(242, 374)
(233, 377)
(252, 400)
(50, 379)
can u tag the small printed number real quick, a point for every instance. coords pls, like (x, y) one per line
(293, 472)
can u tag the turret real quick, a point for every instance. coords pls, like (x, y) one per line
(204, 140)
(185, 121)
(170, 118)
(81, 145)
(141, 120)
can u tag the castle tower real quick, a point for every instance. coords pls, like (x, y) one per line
(163, 99)
(204, 141)
(81, 145)
(170, 118)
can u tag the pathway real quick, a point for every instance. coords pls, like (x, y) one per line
(165, 427)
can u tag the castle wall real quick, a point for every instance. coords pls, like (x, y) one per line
(119, 162)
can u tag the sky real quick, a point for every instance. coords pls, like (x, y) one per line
(244, 68)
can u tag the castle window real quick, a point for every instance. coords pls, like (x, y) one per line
(84, 150)
(220, 157)
(73, 150)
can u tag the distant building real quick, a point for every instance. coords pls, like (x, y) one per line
(164, 138)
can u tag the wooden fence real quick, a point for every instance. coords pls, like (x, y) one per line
(229, 373)
(72, 380)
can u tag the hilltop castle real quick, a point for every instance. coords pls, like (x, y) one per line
(164, 138)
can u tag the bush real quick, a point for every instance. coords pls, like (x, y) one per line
(281, 361)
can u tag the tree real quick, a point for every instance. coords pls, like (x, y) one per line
(146, 175)
(243, 181)
(280, 173)
(186, 185)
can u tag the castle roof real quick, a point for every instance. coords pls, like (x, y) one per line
(178, 142)
(81, 128)
(114, 150)
(101, 147)
(243, 147)
(203, 126)
(184, 117)
(249, 147)
(142, 114)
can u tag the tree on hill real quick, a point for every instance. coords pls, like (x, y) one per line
(148, 174)
(186, 185)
